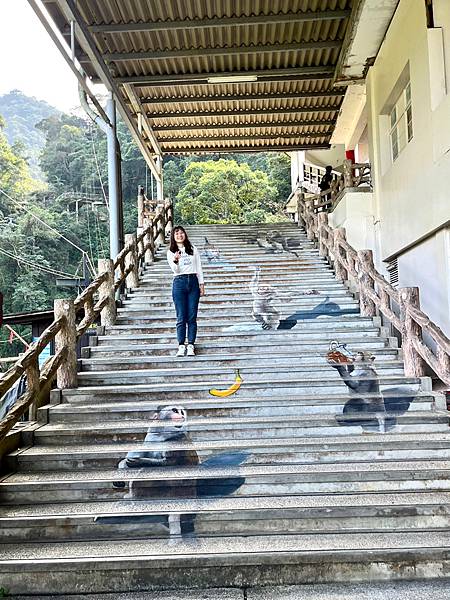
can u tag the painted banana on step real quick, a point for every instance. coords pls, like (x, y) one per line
(231, 390)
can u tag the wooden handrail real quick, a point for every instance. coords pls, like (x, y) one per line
(97, 300)
(377, 296)
(354, 175)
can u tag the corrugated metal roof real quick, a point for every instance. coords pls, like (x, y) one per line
(162, 53)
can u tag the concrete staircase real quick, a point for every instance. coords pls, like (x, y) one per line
(299, 492)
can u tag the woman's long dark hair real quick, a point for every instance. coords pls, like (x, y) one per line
(187, 244)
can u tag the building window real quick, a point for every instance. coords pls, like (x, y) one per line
(401, 122)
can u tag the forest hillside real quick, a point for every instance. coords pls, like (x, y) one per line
(55, 220)
(21, 114)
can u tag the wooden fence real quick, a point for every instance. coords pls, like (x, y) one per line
(73, 317)
(355, 175)
(401, 308)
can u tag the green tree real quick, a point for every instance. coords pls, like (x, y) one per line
(224, 192)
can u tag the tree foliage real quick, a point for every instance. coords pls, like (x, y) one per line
(224, 191)
(21, 114)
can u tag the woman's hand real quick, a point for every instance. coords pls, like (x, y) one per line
(176, 257)
(202, 289)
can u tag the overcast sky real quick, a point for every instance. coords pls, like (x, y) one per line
(29, 60)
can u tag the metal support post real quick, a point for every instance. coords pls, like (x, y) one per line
(159, 183)
(113, 181)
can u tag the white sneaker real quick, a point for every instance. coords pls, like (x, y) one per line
(181, 350)
(190, 350)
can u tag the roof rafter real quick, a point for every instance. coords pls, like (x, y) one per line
(232, 138)
(167, 54)
(249, 111)
(174, 79)
(239, 149)
(240, 21)
(268, 96)
(189, 127)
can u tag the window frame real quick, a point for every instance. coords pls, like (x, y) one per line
(401, 130)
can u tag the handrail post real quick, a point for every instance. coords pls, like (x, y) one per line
(338, 235)
(140, 246)
(348, 173)
(300, 199)
(309, 219)
(149, 242)
(131, 260)
(160, 239)
(168, 216)
(109, 311)
(414, 365)
(322, 222)
(365, 269)
(163, 224)
(66, 338)
(33, 386)
(140, 205)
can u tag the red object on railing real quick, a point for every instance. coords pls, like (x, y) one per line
(350, 155)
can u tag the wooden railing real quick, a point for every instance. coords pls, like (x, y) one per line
(400, 308)
(355, 175)
(73, 317)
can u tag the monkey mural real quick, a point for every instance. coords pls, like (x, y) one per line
(367, 407)
(265, 313)
(326, 308)
(274, 242)
(212, 254)
(264, 297)
(169, 424)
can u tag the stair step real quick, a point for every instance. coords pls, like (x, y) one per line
(218, 361)
(297, 346)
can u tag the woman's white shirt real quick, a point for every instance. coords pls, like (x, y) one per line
(187, 265)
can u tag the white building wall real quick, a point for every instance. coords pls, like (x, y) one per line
(412, 194)
(432, 258)
(355, 213)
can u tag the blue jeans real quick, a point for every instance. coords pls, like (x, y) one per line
(186, 294)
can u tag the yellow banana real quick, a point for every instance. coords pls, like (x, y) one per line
(231, 390)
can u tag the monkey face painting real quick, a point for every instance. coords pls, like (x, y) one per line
(168, 444)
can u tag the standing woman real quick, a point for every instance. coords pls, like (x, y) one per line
(188, 286)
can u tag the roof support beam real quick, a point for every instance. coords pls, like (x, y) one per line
(210, 52)
(71, 12)
(138, 110)
(44, 19)
(300, 17)
(249, 111)
(243, 97)
(233, 138)
(239, 149)
(202, 80)
(150, 79)
(189, 127)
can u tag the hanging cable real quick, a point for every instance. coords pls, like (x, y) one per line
(105, 197)
(89, 235)
(49, 270)
(99, 234)
(20, 205)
